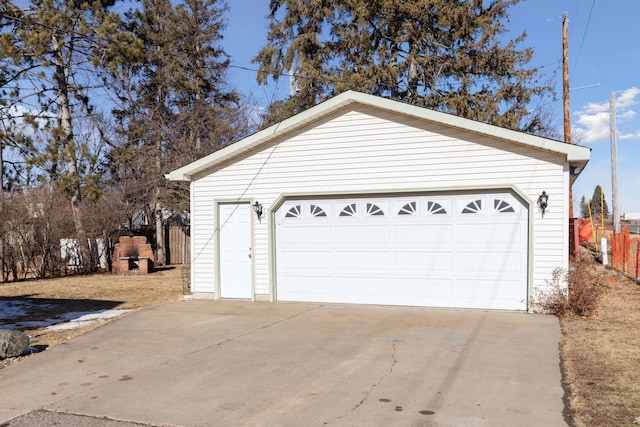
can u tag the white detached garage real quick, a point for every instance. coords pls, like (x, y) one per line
(370, 201)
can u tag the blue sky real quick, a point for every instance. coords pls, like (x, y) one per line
(604, 57)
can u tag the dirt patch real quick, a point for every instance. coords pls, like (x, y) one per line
(601, 357)
(43, 302)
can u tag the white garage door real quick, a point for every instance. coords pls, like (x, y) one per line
(462, 250)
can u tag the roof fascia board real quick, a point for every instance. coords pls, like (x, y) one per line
(186, 172)
(574, 154)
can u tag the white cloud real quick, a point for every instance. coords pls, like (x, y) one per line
(593, 124)
(633, 135)
(593, 108)
(628, 98)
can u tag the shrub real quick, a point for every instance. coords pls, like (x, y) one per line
(580, 298)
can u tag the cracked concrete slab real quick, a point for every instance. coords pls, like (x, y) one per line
(219, 363)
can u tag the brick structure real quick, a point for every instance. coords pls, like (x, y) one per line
(133, 255)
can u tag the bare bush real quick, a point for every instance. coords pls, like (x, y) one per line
(32, 226)
(575, 292)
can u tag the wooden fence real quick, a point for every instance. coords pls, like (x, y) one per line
(178, 244)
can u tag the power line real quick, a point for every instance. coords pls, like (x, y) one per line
(333, 80)
(584, 35)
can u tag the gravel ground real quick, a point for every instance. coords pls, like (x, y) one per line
(48, 418)
(13, 360)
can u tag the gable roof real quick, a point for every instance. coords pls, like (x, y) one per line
(575, 154)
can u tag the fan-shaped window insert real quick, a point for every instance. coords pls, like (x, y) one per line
(294, 212)
(349, 210)
(317, 211)
(374, 210)
(473, 207)
(502, 206)
(435, 208)
(409, 209)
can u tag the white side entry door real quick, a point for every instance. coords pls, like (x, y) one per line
(235, 250)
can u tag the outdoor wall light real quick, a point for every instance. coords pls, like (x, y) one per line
(257, 208)
(543, 202)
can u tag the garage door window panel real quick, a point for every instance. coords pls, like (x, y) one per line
(317, 211)
(294, 212)
(436, 208)
(349, 210)
(410, 209)
(473, 207)
(502, 206)
(375, 209)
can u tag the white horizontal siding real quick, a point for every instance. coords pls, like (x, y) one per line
(364, 150)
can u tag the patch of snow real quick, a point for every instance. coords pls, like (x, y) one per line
(102, 315)
(10, 310)
(80, 320)
(73, 324)
(32, 324)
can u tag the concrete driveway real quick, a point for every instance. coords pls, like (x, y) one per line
(215, 363)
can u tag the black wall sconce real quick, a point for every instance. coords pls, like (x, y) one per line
(257, 208)
(543, 202)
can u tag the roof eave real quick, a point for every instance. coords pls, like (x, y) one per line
(186, 172)
(575, 155)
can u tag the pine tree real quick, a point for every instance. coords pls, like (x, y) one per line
(584, 207)
(51, 49)
(176, 106)
(598, 208)
(441, 54)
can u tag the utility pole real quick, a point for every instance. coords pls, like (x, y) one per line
(565, 94)
(565, 78)
(614, 165)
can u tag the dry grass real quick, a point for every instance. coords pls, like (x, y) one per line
(91, 293)
(601, 357)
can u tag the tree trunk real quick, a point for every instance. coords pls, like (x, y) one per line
(396, 78)
(160, 252)
(412, 77)
(69, 153)
(2, 233)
